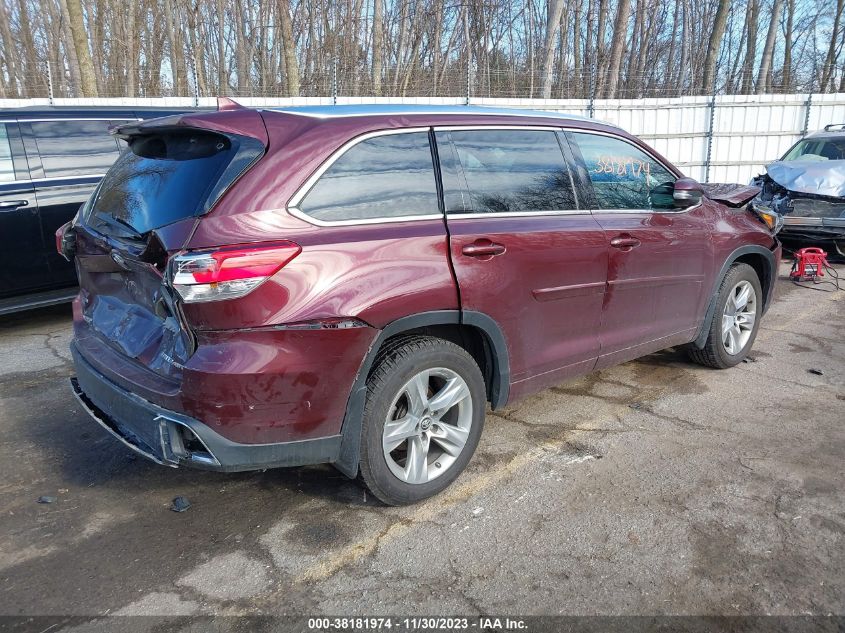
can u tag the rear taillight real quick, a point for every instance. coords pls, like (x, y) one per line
(227, 273)
(66, 241)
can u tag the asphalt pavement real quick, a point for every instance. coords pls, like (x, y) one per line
(656, 487)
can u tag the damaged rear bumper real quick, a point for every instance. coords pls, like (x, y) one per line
(173, 439)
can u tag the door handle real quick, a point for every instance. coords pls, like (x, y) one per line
(624, 242)
(483, 248)
(11, 205)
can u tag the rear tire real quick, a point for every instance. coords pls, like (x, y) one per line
(422, 419)
(736, 319)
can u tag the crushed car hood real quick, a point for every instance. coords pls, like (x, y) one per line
(821, 178)
(730, 194)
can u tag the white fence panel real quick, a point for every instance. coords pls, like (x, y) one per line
(748, 131)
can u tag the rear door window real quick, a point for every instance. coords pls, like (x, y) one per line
(7, 166)
(384, 177)
(513, 171)
(74, 148)
(624, 176)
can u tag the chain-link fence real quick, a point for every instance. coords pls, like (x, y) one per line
(455, 81)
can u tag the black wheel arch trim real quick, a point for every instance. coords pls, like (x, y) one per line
(347, 462)
(769, 258)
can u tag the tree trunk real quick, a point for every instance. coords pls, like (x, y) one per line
(96, 32)
(684, 63)
(670, 59)
(241, 52)
(80, 42)
(29, 57)
(197, 41)
(178, 67)
(769, 48)
(591, 67)
(72, 59)
(637, 43)
(617, 47)
(576, 45)
(378, 46)
(563, 56)
(716, 35)
(131, 50)
(10, 53)
(222, 76)
(289, 46)
(750, 47)
(828, 69)
(786, 83)
(552, 24)
(438, 35)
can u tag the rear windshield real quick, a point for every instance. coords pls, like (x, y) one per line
(165, 177)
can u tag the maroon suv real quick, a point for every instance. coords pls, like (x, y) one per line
(353, 285)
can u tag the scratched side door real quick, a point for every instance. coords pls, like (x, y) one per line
(523, 252)
(658, 255)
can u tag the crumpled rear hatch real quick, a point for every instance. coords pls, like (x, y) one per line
(145, 208)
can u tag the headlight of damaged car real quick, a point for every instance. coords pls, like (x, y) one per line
(768, 216)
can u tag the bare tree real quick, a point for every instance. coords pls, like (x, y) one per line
(80, 42)
(828, 68)
(769, 48)
(786, 82)
(620, 28)
(716, 35)
(555, 10)
(520, 48)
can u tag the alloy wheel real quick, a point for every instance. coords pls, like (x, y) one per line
(739, 317)
(427, 425)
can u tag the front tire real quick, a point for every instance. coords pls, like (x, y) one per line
(422, 419)
(736, 319)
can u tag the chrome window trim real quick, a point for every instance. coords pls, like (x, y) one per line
(37, 181)
(497, 126)
(302, 191)
(305, 188)
(296, 212)
(660, 211)
(516, 214)
(25, 120)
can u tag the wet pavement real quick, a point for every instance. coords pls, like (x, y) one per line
(655, 487)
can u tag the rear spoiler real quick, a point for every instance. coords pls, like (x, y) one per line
(732, 195)
(230, 118)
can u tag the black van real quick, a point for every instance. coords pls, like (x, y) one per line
(51, 158)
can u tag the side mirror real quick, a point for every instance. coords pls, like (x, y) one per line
(687, 192)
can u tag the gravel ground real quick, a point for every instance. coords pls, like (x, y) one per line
(655, 487)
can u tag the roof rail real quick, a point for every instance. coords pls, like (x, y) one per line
(834, 126)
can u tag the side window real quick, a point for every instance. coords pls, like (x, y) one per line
(74, 148)
(7, 168)
(390, 176)
(511, 171)
(623, 176)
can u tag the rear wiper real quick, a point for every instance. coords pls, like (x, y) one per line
(111, 220)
